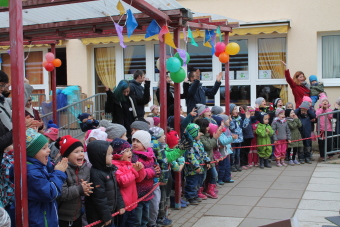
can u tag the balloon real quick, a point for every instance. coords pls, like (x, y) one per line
(49, 66)
(224, 57)
(219, 47)
(44, 64)
(49, 57)
(173, 64)
(178, 76)
(217, 54)
(56, 62)
(157, 64)
(232, 48)
(181, 60)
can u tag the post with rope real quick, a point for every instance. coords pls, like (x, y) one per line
(162, 83)
(54, 88)
(226, 79)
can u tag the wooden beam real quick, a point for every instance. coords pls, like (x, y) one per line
(207, 26)
(26, 42)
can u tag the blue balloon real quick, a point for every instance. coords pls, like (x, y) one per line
(173, 64)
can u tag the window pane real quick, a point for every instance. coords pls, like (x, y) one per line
(240, 95)
(156, 54)
(271, 52)
(6, 65)
(33, 67)
(271, 92)
(238, 62)
(134, 59)
(200, 58)
(210, 99)
(331, 56)
(105, 65)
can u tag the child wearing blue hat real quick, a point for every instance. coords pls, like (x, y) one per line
(316, 88)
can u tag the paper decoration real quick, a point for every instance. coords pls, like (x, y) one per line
(169, 40)
(208, 35)
(163, 31)
(153, 29)
(9, 51)
(242, 75)
(120, 7)
(218, 32)
(131, 23)
(192, 40)
(265, 74)
(119, 30)
(231, 75)
(183, 55)
(4, 3)
(212, 42)
(207, 44)
(207, 76)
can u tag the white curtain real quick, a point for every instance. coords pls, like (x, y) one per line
(331, 56)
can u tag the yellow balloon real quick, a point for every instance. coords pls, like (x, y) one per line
(232, 48)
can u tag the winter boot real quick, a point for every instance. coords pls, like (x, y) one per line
(210, 191)
(239, 168)
(283, 162)
(200, 194)
(193, 201)
(267, 164)
(233, 169)
(278, 163)
(261, 163)
(291, 162)
(301, 155)
(309, 154)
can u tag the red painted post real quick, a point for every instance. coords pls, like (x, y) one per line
(162, 86)
(54, 89)
(18, 112)
(226, 66)
(177, 122)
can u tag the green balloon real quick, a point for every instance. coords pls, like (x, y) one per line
(173, 64)
(178, 76)
(181, 60)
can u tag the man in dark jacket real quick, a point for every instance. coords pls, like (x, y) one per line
(137, 90)
(197, 93)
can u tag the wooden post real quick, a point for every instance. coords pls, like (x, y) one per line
(162, 85)
(226, 67)
(54, 89)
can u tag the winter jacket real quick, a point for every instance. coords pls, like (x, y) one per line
(6, 186)
(106, 198)
(209, 143)
(322, 120)
(306, 127)
(337, 125)
(5, 112)
(170, 94)
(70, 200)
(148, 159)
(127, 177)
(184, 122)
(197, 94)
(225, 141)
(263, 138)
(281, 130)
(5, 138)
(44, 186)
(315, 90)
(195, 156)
(35, 117)
(141, 94)
(247, 131)
(236, 126)
(294, 125)
(89, 125)
(298, 90)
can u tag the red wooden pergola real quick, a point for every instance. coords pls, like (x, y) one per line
(18, 35)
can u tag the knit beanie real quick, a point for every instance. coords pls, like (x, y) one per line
(306, 99)
(156, 121)
(278, 111)
(287, 112)
(143, 137)
(304, 105)
(115, 131)
(338, 101)
(313, 78)
(151, 121)
(172, 139)
(212, 129)
(51, 125)
(140, 125)
(157, 132)
(5, 220)
(119, 145)
(323, 97)
(193, 130)
(67, 144)
(83, 116)
(276, 101)
(104, 123)
(251, 109)
(34, 142)
(98, 134)
(223, 116)
(231, 107)
(153, 107)
(52, 133)
(262, 114)
(216, 110)
(217, 119)
(259, 101)
(201, 109)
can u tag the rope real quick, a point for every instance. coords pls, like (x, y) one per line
(132, 204)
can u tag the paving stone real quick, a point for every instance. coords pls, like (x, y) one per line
(322, 174)
(267, 172)
(301, 173)
(289, 186)
(314, 224)
(281, 193)
(273, 213)
(229, 211)
(187, 224)
(239, 200)
(325, 180)
(248, 191)
(319, 205)
(333, 196)
(317, 216)
(255, 177)
(253, 222)
(278, 202)
(254, 184)
(323, 188)
(295, 179)
(181, 220)
(217, 221)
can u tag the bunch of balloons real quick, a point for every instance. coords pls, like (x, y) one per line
(223, 51)
(174, 66)
(51, 62)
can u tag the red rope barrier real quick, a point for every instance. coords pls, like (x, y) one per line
(132, 204)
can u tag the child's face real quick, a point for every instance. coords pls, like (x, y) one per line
(156, 110)
(234, 112)
(303, 111)
(137, 145)
(43, 154)
(207, 114)
(292, 114)
(252, 113)
(109, 156)
(279, 103)
(123, 137)
(133, 130)
(207, 129)
(198, 137)
(127, 155)
(325, 103)
(85, 120)
(266, 119)
(263, 103)
(314, 82)
(281, 115)
(289, 106)
(162, 139)
(227, 123)
(77, 156)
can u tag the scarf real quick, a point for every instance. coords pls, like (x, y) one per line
(30, 110)
(281, 120)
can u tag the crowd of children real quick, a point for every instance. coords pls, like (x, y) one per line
(74, 183)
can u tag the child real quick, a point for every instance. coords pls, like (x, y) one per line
(139, 125)
(204, 112)
(248, 135)
(51, 124)
(236, 126)
(294, 124)
(264, 132)
(87, 122)
(337, 124)
(43, 187)
(289, 105)
(106, 198)
(156, 121)
(253, 158)
(154, 111)
(281, 135)
(77, 183)
(278, 103)
(116, 131)
(316, 88)
(194, 172)
(96, 134)
(52, 135)
(127, 175)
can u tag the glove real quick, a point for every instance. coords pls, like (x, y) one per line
(186, 142)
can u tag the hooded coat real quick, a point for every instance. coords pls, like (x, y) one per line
(106, 198)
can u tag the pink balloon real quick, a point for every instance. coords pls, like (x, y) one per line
(49, 57)
(219, 47)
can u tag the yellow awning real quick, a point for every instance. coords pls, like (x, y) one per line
(34, 45)
(196, 34)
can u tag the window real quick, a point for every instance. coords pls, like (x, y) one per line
(200, 58)
(331, 56)
(271, 92)
(134, 59)
(239, 94)
(105, 66)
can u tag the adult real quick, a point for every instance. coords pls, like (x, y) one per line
(197, 93)
(141, 94)
(33, 113)
(298, 85)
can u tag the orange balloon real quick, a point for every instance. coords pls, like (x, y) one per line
(224, 57)
(44, 63)
(56, 62)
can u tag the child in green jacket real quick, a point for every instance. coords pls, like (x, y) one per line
(264, 131)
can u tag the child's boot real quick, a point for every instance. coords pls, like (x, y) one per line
(250, 160)
(210, 192)
(283, 162)
(200, 194)
(278, 164)
(233, 169)
(261, 163)
(291, 162)
(239, 168)
(267, 164)
(301, 155)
